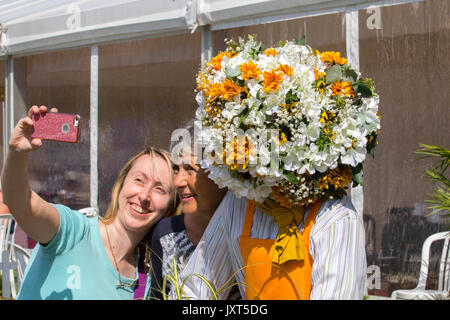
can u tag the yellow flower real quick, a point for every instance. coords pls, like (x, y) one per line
(250, 70)
(282, 139)
(325, 117)
(337, 178)
(272, 80)
(270, 52)
(321, 86)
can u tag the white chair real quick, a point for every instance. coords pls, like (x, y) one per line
(89, 211)
(18, 260)
(5, 232)
(420, 293)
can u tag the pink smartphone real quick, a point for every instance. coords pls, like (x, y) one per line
(57, 126)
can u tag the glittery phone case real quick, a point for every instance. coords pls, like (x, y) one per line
(57, 126)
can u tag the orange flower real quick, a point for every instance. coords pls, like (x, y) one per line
(340, 88)
(270, 52)
(272, 80)
(215, 62)
(318, 74)
(332, 57)
(229, 89)
(250, 70)
(287, 70)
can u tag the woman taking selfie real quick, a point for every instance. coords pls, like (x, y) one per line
(88, 258)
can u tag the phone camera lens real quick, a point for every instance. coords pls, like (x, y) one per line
(65, 128)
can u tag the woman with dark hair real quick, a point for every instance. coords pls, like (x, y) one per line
(176, 237)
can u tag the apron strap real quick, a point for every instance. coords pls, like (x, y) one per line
(139, 290)
(247, 229)
(248, 221)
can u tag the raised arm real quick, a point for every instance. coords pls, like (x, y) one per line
(38, 218)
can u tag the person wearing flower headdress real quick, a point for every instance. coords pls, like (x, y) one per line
(286, 130)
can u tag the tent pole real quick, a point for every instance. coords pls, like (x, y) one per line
(352, 47)
(94, 128)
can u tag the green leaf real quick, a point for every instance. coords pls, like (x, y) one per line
(232, 73)
(350, 75)
(301, 41)
(362, 89)
(357, 173)
(334, 73)
(291, 97)
(371, 145)
(289, 176)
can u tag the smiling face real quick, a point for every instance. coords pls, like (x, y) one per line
(146, 193)
(198, 194)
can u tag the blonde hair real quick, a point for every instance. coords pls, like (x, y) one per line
(113, 207)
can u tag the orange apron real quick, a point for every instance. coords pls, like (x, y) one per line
(265, 280)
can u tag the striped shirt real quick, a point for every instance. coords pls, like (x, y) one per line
(336, 245)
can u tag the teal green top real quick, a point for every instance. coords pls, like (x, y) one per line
(74, 265)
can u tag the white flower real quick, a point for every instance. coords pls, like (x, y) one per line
(354, 156)
(349, 123)
(200, 113)
(255, 118)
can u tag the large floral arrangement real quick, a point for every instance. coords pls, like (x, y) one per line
(317, 114)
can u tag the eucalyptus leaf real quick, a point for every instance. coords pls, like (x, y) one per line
(231, 73)
(334, 73)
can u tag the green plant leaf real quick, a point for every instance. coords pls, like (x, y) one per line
(232, 73)
(350, 75)
(362, 89)
(301, 41)
(291, 97)
(371, 145)
(334, 73)
(289, 176)
(357, 173)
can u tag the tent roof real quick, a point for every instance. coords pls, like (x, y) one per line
(41, 25)
(32, 26)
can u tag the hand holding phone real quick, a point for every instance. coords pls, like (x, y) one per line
(56, 126)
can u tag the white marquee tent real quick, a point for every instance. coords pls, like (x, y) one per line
(31, 26)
